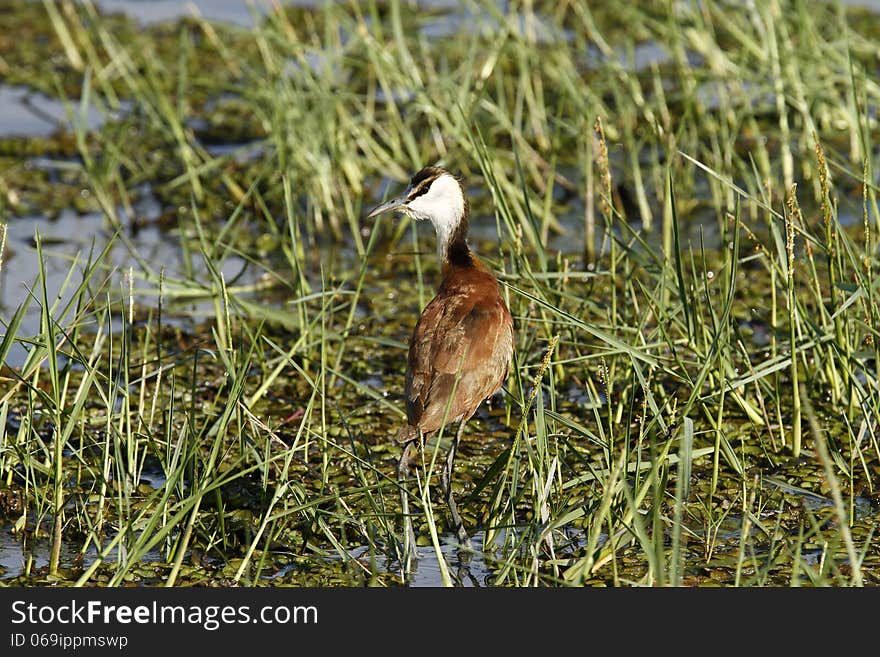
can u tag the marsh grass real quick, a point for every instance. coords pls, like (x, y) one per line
(694, 393)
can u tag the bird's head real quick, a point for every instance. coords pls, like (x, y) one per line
(436, 195)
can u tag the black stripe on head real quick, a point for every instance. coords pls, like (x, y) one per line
(421, 182)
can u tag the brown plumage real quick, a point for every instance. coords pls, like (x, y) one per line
(462, 344)
(460, 348)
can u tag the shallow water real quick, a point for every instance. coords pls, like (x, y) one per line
(28, 113)
(67, 241)
(14, 556)
(17, 558)
(467, 569)
(236, 12)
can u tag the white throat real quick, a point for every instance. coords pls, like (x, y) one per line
(443, 206)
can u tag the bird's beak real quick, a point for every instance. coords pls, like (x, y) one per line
(388, 206)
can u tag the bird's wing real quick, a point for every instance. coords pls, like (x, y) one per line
(458, 336)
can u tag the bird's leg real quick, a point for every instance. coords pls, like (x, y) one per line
(409, 536)
(446, 485)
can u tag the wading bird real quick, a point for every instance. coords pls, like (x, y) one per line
(462, 345)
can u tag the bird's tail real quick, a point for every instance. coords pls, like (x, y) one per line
(406, 433)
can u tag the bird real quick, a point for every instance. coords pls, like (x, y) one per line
(461, 347)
